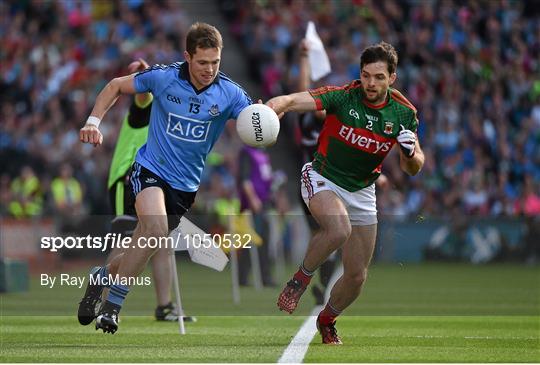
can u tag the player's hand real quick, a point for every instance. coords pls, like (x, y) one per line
(407, 141)
(272, 104)
(91, 134)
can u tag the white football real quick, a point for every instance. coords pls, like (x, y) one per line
(258, 125)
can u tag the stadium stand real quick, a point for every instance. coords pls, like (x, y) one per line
(470, 67)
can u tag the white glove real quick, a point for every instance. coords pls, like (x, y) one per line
(407, 141)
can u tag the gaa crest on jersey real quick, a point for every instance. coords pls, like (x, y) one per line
(388, 127)
(214, 110)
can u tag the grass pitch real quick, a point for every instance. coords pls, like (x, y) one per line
(141, 339)
(411, 313)
(433, 339)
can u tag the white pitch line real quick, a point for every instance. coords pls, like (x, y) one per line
(295, 352)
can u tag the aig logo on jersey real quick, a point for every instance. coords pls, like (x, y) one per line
(187, 129)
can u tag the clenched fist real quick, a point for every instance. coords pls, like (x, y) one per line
(91, 134)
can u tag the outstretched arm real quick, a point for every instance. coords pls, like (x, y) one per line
(110, 93)
(106, 98)
(297, 102)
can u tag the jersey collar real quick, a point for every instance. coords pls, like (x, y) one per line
(183, 74)
(378, 106)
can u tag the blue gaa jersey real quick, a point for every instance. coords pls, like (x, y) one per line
(185, 122)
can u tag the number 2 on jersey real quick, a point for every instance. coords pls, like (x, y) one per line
(369, 125)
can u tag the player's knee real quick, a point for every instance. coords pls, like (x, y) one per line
(357, 279)
(339, 233)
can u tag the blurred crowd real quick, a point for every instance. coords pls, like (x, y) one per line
(56, 56)
(470, 67)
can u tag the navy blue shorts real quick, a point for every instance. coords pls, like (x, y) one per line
(177, 202)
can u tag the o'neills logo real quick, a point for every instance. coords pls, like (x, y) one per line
(256, 123)
(366, 143)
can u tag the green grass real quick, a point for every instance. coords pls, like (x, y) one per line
(433, 339)
(407, 313)
(141, 339)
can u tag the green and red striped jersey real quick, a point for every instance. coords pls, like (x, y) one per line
(356, 135)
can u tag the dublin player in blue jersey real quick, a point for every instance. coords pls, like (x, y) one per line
(192, 103)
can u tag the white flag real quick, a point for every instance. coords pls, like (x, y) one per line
(318, 59)
(188, 237)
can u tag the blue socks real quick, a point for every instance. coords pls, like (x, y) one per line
(117, 294)
(103, 275)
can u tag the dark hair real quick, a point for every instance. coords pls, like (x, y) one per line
(204, 36)
(382, 51)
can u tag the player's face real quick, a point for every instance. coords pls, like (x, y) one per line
(376, 80)
(203, 66)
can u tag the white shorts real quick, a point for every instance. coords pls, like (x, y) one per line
(361, 205)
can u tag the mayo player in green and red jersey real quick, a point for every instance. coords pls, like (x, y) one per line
(364, 121)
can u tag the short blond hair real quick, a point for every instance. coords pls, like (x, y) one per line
(204, 36)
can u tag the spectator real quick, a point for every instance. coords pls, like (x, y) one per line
(67, 193)
(26, 195)
(255, 189)
(56, 56)
(529, 202)
(5, 194)
(470, 69)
